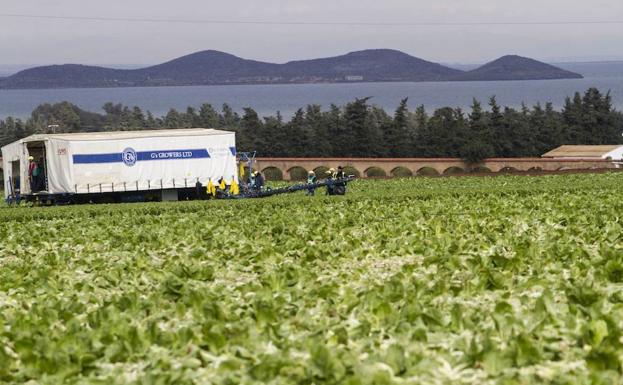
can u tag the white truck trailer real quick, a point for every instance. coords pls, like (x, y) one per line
(118, 166)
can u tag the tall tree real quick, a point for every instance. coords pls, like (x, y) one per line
(398, 135)
(477, 144)
(355, 136)
(208, 117)
(229, 118)
(250, 131)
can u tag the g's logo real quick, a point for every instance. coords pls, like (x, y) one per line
(129, 157)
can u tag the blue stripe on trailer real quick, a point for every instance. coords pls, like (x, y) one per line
(142, 156)
(97, 158)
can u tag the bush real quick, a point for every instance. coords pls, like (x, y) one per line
(272, 174)
(453, 170)
(427, 171)
(481, 169)
(508, 169)
(375, 172)
(298, 173)
(321, 171)
(348, 170)
(401, 172)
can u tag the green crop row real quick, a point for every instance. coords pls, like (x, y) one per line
(514, 280)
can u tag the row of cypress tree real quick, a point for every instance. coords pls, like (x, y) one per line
(361, 129)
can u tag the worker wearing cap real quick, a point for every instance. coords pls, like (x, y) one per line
(259, 181)
(340, 186)
(330, 185)
(311, 180)
(32, 165)
(251, 180)
(339, 174)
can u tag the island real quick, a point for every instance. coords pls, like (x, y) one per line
(219, 68)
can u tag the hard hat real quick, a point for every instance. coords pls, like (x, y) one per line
(328, 172)
(30, 158)
(311, 173)
(332, 169)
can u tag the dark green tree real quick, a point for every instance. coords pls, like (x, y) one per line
(249, 134)
(398, 135)
(208, 117)
(355, 136)
(229, 118)
(478, 143)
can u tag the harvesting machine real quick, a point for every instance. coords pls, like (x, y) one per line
(247, 190)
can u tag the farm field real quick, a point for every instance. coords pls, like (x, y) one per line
(509, 280)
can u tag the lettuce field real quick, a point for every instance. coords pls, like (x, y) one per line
(505, 280)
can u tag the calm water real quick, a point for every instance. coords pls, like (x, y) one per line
(267, 99)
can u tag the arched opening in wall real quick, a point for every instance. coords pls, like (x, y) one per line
(349, 170)
(427, 171)
(535, 169)
(453, 171)
(375, 172)
(272, 173)
(481, 170)
(297, 173)
(401, 172)
(321, 171)
(508, 169)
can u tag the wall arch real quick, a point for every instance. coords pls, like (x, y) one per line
(321, 171)
(427, 171)
(453, 170)
(508, 169)
(375, 172)
(297, 173)
(401, 172)
(272, 173)
(481, 170)
(350, 170)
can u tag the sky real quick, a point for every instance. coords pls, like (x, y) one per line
(35, 41)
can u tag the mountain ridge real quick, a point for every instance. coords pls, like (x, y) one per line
(211, 67)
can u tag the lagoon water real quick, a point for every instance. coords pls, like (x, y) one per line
(267, 99)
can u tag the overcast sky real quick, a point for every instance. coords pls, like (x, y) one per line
(47, 41)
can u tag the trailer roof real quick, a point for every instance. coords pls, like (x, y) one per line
(114, 135)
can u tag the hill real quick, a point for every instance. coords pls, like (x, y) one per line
(214, 67)
(207, 67)
(369, 65)
(67, 76)
(513, 67)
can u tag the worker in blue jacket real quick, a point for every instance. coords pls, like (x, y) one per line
(311, 179)
(330, 184)
(340, 185)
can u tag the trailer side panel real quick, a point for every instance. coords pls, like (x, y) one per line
(150, 163)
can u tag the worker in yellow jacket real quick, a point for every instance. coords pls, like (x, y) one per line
(211, 189)
(234, 189)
